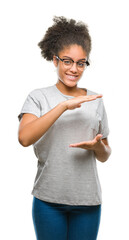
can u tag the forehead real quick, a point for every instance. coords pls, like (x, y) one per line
(73, 51)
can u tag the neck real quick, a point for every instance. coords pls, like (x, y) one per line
(66, 89)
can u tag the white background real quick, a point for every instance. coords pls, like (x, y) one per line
(23, 24)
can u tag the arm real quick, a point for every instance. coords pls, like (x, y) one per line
(102, 151)
(32, 128)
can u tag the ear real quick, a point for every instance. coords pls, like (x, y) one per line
(55, 61)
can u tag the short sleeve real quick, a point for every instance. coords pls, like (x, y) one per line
(31, 105)
(103, 120)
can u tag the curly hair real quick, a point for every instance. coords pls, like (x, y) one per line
(64, 33)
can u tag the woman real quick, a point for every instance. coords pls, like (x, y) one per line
(67, 193)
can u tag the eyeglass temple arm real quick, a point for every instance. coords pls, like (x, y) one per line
(87, 63)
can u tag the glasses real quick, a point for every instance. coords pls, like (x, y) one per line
(68, 63)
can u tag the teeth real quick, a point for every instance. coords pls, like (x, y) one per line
(71, 77)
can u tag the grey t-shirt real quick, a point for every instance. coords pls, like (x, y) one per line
(67, 175)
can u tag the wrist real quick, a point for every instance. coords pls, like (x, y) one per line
(64, 105)
(102, 153)
(99, 147)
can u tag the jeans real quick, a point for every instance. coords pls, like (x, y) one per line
(54, 221)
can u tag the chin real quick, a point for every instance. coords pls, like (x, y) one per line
(70, 84)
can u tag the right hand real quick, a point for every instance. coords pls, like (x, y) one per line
(76, 102)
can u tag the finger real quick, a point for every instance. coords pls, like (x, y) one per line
(81, 144)
(79, 105)
(93, 97)
(99, 95)
(98, 137)
(76, 145)
(73, 145)
(89, 98)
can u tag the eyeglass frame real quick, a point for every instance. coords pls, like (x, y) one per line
(62, 59)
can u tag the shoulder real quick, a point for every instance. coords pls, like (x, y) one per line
(90, 92)
(40, 92)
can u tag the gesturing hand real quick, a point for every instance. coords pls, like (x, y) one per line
(89, 145)
(77, 101)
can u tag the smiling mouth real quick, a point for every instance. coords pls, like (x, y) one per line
(72, 77)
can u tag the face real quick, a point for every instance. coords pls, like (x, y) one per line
(70, 76)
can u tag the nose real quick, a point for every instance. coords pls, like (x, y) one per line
(74, 68)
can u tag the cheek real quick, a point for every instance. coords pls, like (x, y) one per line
(81, 74)
(59, 71)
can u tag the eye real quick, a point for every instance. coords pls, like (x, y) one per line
(67, 61)
(81, 64)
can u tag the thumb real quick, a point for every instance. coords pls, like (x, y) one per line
(79, 105)
(98, 137)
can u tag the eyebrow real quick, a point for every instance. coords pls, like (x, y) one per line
(72, 59)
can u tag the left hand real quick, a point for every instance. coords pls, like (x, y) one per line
(89, 145)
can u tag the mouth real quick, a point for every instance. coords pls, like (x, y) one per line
(72, 77)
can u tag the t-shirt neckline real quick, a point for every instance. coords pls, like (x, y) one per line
(69, 95)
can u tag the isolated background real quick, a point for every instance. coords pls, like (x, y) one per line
(22, 25)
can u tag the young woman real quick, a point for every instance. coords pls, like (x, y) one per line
(68, 128)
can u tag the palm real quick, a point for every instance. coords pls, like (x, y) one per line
(90, 145)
